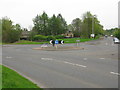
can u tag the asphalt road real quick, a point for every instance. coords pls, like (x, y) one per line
(94, 67)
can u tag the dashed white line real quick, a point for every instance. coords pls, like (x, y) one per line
(50, 59)
(84, 58)
(47, 59)
(69, 63)
(102, 58)
(8, 57)
(75, 64)
(114, 73)
(106, 43)
(81, 65)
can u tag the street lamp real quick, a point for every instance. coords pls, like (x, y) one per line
(93, 35)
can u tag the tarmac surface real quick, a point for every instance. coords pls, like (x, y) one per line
(92, 64)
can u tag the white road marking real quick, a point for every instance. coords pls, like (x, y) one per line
(114, 73)
(8, 57)
(50, 59)
(69, 63)
(84, 58)
(102, 58)
(81, 65)
(75, 64)
(106, 43)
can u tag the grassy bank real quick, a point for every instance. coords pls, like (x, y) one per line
(66, 40)
(11, 79)
(73, 40)
(29, 42)
(0, 77)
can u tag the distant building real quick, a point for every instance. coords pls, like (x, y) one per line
(68, 34)
(24, 35)
(119, 14)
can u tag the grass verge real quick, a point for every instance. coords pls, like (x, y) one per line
(66, 40)
(0, 77)
(29, 42)
(11, 79)
(73, 40)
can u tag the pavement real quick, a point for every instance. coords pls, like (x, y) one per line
(95, 66)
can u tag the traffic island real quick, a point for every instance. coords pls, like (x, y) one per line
(58, 48)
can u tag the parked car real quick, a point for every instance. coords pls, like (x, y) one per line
(116, 40)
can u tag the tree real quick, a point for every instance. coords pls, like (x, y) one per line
(76, 24)
(87, 24)
(54, 25)
(117, 33)
(49, 26)
(63, 25)
(91, 25)
(32, 34)
(57, 25)
(10, 32)
(41, 24)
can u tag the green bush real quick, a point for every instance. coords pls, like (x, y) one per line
(117, 34)
(50, 38)
(59, 36)
(39, 38)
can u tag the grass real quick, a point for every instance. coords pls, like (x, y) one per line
(29, 42)
(0, 77)
(11, 79)
(66, 40)
(73, 40)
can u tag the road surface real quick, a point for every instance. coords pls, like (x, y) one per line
(94, 67)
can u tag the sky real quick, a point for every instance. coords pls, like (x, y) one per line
(23, 11)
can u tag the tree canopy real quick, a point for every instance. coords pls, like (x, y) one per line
(45, 25)
(52, 26)
(10, 32)
(86, 26)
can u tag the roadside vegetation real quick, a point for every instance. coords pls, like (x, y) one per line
(114, 31)
(0, 77)
(11, 79)
(46, 28)
(66, 40)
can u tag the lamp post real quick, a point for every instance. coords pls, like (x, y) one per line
(93, 26)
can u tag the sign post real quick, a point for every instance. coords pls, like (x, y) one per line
(77, 42)
(56, 42)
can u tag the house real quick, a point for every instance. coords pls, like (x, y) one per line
(25, 35)
(68, 34)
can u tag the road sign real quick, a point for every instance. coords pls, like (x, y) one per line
(50, 41)
(77, 40)
(93, 35)
(56, 42)
(62, 42)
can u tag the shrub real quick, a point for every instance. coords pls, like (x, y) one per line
(39, 38)
(59, 36)
(50, 38)
(117, 34)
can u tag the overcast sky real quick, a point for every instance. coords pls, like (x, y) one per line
(23, 11)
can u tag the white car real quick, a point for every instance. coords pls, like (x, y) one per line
(116, 40)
